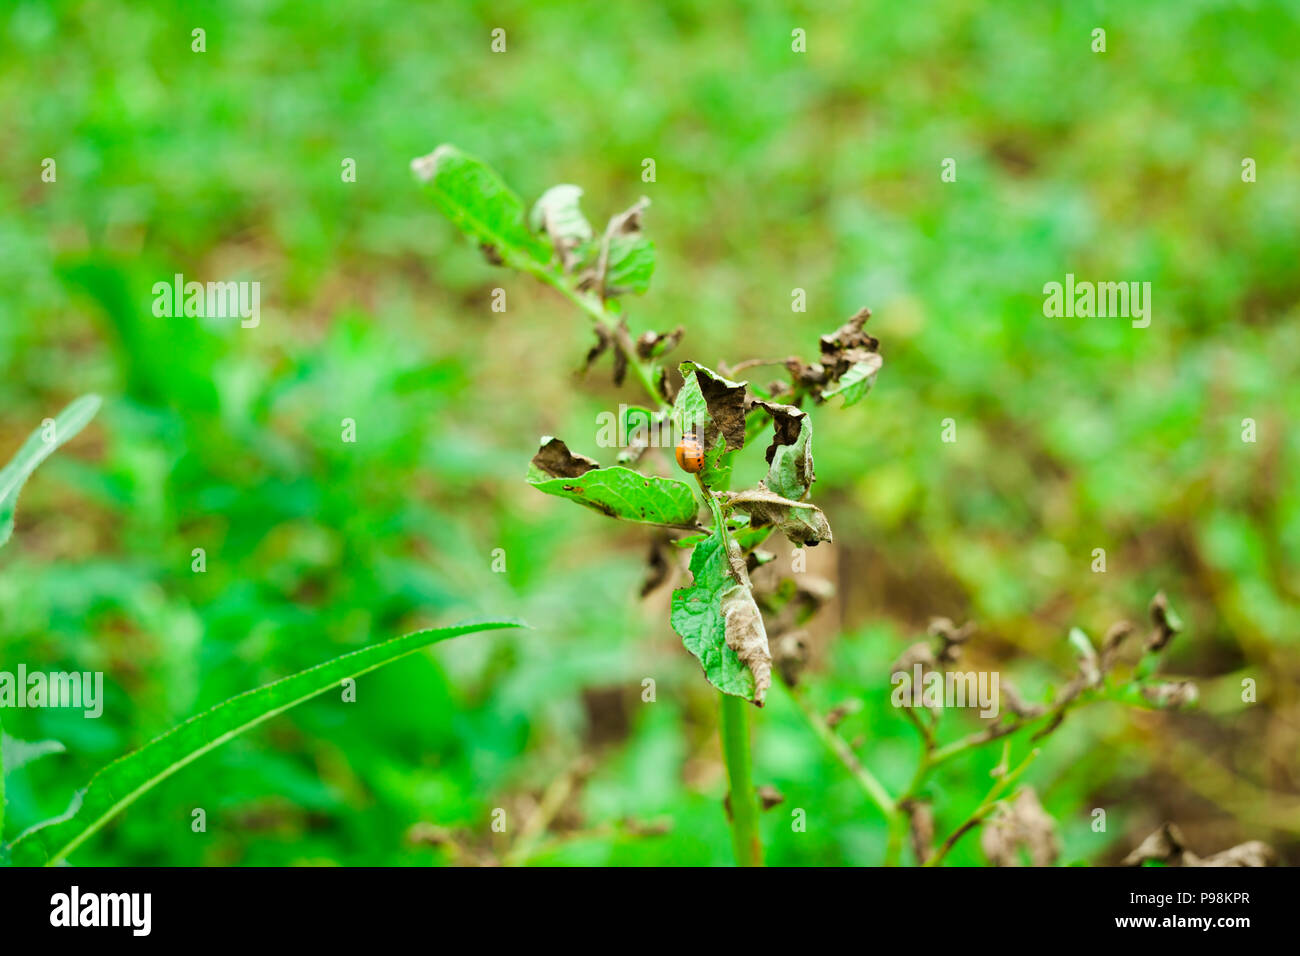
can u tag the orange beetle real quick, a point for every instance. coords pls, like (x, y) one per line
(690, 453)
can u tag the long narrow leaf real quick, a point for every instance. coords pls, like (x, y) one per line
(123, 781)
(35, 450)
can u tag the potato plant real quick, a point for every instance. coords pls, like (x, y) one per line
(744, 637)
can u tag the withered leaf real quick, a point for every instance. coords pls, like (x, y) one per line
(790, 458)
(1166, 620)
(697, 616)
(746, 636)
(847, 365)
(653, 344)
(558, 215)
(1022, 823)
(712, 408)
(555, 459)
(657, 565)
(603, 342)
(802, 523)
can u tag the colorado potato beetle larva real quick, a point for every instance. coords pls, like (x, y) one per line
(690, 453)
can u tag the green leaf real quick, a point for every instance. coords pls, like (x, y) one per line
(630, 256)
(790, 462)
(623, 493)
(697, 618)
(39, 446)
(119, 784)
(631, 265)
(857, 381)
(475, 199)
(713, 409)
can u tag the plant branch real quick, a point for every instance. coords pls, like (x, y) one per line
(872, 787)
(595, 310)
(986, 806)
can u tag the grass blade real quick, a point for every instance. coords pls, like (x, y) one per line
(123, 781)
(35, 450)
(3, 854)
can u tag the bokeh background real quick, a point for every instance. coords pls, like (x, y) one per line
(775, 171)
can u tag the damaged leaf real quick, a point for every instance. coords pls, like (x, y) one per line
(558, 215)
(473, 197)
(801, 522)
(555, 459)
(697, 616)
(658, 566)
(857, 381)
(746, 636)
(617, 491)
(713, 409)
(1168, 846)
(654, 344)
(628, 257)
(1021, 824)
(790, 473)
(848, 363)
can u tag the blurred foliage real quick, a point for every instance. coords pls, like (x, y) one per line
(775, 171)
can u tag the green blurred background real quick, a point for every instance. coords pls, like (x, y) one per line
(775, 171)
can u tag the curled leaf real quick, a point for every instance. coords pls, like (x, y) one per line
(801, 522)
(558, 215)
(1171, 694)
(848, 363)
(746, 636)
(654, 344)
(1166, 623)
(713, 409)
(1086, 656)
(617, 491)
(1168, 846)
(1021, 824)
(857, 381)
(658, 565)
(555, 459)
(790, 473)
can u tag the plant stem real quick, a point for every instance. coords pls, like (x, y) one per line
(595, 310)
(987, 806)
(2, 787)
(836, 745)
(744, 804)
